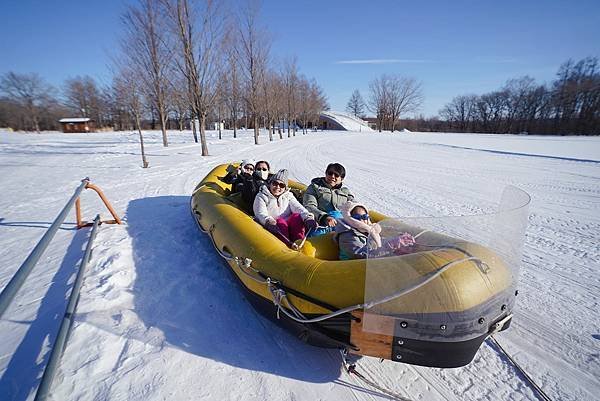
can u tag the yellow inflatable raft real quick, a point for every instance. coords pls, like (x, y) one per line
(433, 307)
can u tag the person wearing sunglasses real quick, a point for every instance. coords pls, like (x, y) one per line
(358, 236)
(238, 176)
(276, 208)
(325, 196)
(355, 234)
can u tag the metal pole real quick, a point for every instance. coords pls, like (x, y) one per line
(9, 292)
(65, 326)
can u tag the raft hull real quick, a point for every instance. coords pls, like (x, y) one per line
(319, 285)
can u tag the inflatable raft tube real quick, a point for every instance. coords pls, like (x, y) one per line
(440, 322)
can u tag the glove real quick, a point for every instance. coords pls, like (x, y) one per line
(271, 227)
(402, 244)
(310, 224)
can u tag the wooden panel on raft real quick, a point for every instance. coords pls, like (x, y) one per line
(372, 344)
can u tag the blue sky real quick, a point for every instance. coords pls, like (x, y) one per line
(452, 47)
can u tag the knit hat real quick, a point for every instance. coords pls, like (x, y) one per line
(246, 162)
(281, 175)
(367, 227)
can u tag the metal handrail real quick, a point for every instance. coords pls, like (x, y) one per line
(65, 326)
(13, 286)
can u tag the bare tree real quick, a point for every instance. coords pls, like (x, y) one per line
(254, 49)
(84, 97)
(290, 79)
(180, 100)
(391, 96)
(304, 102)
(30, 92)
(129, 91)
(405, 96)
(232, 80)
(318, 102)
(356, 104)
(146, 46)
(200, 29)
(379, 100)
(270, 85)
(460, 111)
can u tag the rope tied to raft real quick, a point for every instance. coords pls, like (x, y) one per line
(538, 390)
(350, 368)
(367, 305)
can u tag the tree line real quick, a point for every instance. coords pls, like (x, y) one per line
(568, 105)
(178, 61)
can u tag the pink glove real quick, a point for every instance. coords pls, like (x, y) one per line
(402, 244)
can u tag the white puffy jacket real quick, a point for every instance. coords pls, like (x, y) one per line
(267, 208)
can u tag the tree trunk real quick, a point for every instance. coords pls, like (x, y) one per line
(163, 128)
(234, 127)
(139, 128)
(219, 122)
(203, 135)
(193, 123)
(255, 130)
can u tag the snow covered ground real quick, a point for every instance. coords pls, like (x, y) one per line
(160, 318)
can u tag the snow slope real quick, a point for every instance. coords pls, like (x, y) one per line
(348, 121)
(160, 317)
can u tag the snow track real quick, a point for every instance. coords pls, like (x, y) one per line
(161, 318)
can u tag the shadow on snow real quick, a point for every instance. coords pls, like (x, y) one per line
(183, 288)
(24, 370)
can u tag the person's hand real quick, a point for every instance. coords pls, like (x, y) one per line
(310, 224)
(271, 226)
(402, 244)
(330, 221)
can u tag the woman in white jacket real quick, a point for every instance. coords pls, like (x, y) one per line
(276, 208)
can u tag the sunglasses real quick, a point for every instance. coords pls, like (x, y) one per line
(333, 173)
(262, 169)
(248, 167)
(278, 184)
(360, 216)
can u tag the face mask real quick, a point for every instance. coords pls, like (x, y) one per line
(263, 174)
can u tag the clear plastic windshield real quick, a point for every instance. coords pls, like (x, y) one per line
(447, 278)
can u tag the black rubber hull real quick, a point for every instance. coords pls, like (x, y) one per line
(335, 333)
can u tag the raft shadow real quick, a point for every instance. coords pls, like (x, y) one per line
(23, 372)
(183, 288)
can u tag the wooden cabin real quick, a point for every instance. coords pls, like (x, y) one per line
(79, 124)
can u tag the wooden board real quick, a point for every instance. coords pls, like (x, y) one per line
(369, 343)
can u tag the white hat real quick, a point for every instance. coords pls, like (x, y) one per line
(246, 162)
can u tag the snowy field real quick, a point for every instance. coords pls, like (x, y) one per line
(160, 318)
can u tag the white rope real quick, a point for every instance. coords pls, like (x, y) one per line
(367, 305)
(351, 369)
(528, 378)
